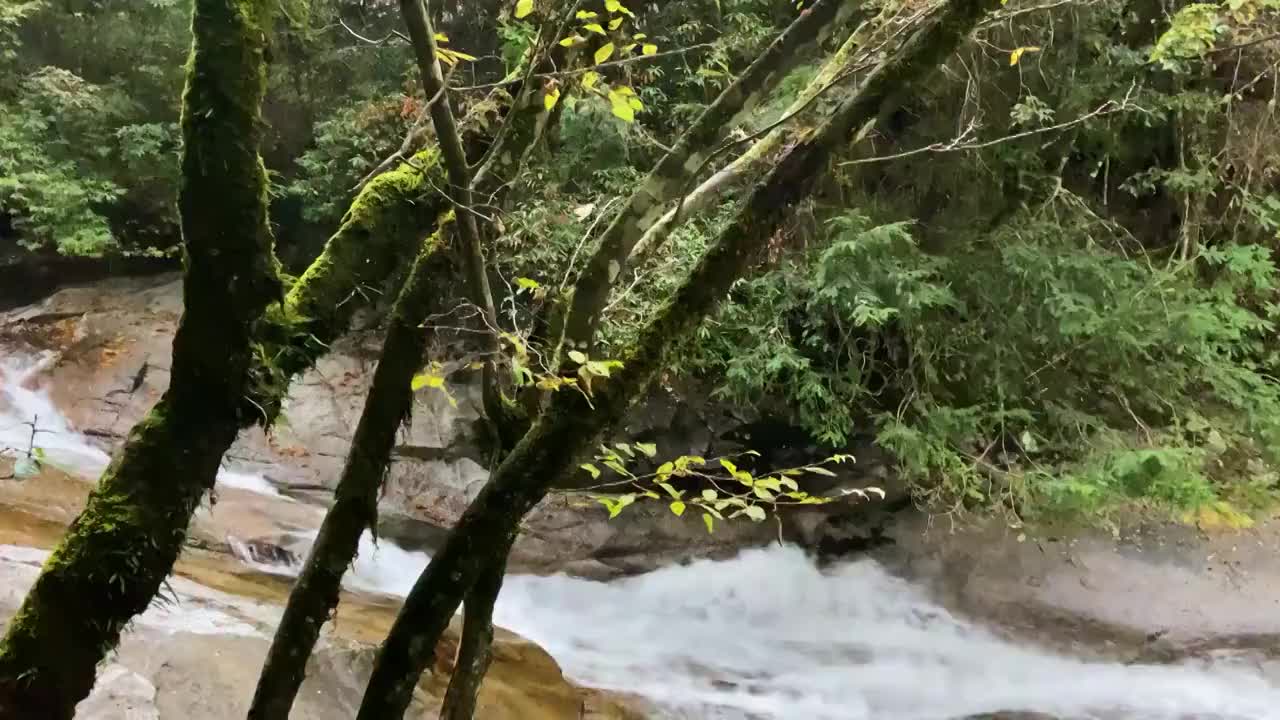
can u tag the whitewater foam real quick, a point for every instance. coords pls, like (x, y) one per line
(24, 401)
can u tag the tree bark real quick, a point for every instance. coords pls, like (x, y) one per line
(315, 595)
(475, 646)
(668, 178)
(747, 165)
(485, 532)
(110, 564)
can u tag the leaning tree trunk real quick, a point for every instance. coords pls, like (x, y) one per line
(485, 532)
(475, 647)
(117, 552)
(747, 165)
(315, 595)
(231, 366)
(667, 180)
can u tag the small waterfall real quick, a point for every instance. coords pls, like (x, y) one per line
(767, 635)
(24, 401)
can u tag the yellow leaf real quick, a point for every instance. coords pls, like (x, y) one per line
(426, 380)
(590, 78)
(648, 49)
(616, 7)
(626, 49)
(604, 53)
(550, 97)
(585, 14)
(635, 104)
(620, 107)
(677, 507)
(442, 38)
(615, 23)
(571, 41)
(623, 90)
(639, 36)
(594, 27)
(1017, 54)
(455, 55)
(523, 8)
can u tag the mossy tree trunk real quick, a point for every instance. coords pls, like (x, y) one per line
(118, 551)
(316, 593)
(231, 364)
(485, 532)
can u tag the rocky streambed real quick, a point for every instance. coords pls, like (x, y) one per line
(1163, 621)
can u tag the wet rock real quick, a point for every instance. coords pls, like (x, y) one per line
(102, 337)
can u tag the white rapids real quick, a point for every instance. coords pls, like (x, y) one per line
(766, 635)
(23, 402)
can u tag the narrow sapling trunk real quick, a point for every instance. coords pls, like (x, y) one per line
(475, 646)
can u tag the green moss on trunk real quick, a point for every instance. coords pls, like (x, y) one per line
(315, 595)
(117, 552)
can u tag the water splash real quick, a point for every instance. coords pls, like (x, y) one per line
(23, 401)
(769, 636)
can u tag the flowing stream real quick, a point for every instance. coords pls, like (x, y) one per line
(766, 635)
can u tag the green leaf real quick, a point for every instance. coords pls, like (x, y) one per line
(615, 23)
(706, 520)
(648, 49)
(762, 493)
(755, 512)
(621, 503)
(616, 466)
(590, 78)
(604, 53)
(727, 464)
(649, 449)
(670, 490)
(595, 471)
(523, 8)
(816, 470)
(577, 357)
(664, 470)
(677, 507)
(595, 28)
(709, 494)
(624, 447)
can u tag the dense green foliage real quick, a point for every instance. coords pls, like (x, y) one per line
(1049, 282)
